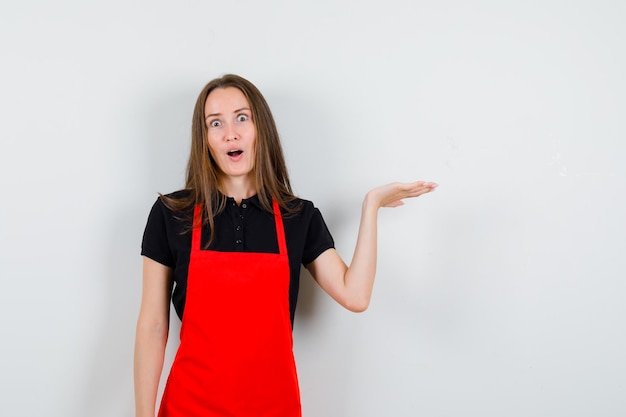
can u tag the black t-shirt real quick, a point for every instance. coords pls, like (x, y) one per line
(246, 227)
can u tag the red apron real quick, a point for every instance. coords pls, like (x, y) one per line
(236, 351)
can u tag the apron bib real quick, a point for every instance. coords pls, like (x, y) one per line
(236, 350)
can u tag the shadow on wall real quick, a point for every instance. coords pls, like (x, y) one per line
(308, 299)
(108, 376)
(325, 342)
(163, 143)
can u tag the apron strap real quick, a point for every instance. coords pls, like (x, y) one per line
(196, 233)
(280, 229)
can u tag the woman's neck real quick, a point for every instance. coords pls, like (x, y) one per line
(238, 188)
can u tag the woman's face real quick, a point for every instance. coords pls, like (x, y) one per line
(231, 132)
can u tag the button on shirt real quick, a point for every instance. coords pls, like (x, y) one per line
(238, 219)
(246, 227)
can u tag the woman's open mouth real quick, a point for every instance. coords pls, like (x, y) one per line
(235, 152)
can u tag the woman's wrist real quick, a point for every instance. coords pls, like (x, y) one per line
(371, 201)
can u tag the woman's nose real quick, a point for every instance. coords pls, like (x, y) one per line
(230, 133)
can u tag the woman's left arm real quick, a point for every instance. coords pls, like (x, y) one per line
(351, 286)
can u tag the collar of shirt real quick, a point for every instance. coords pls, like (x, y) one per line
(254, 200)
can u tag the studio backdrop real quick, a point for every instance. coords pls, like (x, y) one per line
(501, 294)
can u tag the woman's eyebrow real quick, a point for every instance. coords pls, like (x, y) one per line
(219, 114)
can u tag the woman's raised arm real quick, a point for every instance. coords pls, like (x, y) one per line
(351, 286)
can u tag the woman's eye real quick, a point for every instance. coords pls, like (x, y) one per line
(215, 123)
(242, 118)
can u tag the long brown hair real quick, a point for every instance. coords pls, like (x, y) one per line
(272, 179)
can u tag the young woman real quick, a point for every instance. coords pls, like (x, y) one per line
(227, 251)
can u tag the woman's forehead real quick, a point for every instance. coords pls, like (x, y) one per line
(225, 100)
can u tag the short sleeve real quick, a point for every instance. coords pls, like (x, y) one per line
(318, 238)
(155, 244)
